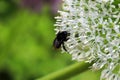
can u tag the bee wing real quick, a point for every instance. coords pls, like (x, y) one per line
(56, 43)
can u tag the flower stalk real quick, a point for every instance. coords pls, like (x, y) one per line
(68, 72)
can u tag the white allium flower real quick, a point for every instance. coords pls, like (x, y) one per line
(94, 27)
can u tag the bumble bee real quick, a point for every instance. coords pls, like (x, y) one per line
(61, 37)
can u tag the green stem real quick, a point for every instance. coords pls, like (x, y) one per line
(68, 72)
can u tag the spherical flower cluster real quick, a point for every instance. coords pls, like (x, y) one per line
(94, 27)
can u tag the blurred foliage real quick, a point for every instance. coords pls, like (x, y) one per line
(7, 7)
(26, 50)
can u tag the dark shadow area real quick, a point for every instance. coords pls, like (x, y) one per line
(5, 75)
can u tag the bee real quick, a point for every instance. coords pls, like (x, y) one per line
(61, 37)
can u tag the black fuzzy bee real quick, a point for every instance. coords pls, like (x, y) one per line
(61, 37)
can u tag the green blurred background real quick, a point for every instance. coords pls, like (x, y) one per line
(26, 37)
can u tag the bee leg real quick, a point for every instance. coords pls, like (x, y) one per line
(66, 39)
(64, 47)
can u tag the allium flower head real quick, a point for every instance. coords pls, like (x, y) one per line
(94, 27)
